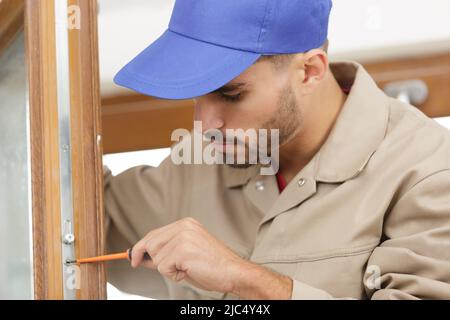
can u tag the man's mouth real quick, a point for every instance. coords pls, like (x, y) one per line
(227, 146)
(223, 147)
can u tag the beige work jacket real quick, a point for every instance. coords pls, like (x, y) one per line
(367, 218)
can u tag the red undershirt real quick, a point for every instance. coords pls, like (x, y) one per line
(280, 179)
(281, 182)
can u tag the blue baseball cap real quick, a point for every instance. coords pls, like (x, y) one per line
(211, 42)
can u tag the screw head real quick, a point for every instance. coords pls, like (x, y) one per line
(69, 238)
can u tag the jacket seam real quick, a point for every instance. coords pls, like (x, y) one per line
(418, 182)
(344, 253)
(426, 177)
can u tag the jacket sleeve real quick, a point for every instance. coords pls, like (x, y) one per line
(137, 201)
(413, 261)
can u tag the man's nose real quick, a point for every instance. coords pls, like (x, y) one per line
(209, 116)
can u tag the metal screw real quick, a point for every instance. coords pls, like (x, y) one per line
(68, 237)
(65, 148)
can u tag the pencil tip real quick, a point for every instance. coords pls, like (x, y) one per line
(71, 261)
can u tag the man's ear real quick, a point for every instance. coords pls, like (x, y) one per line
(310, 69)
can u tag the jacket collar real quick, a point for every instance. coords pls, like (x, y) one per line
(359, 129)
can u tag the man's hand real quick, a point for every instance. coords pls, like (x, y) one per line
(184, 250)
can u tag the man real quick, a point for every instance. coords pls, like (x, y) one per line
(360, 207)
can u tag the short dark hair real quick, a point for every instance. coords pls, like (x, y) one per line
(280, 60)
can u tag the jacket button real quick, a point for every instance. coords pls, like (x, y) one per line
(301, 182)
(259, 185)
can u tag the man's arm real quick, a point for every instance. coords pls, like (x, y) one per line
(135, 201)
(186, 251)
(255, 282)
(414, 261)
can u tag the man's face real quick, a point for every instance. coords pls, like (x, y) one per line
(260, 98)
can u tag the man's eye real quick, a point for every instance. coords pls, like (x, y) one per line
(230, 98)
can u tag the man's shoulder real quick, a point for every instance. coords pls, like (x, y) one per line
(405, 118)
(414, 140)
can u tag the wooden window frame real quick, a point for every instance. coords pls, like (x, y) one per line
(86, 149)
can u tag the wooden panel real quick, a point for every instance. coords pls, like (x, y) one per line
(137, 122)
(433, 70)
(45, 177)
(87, 168)
(85, 124)
(11, 21)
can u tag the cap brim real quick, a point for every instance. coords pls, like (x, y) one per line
(178, 67)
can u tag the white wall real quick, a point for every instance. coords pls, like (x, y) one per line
(359, 29)
(125, 29)
(358, 25)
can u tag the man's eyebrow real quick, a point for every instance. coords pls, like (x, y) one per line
(230, 87)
